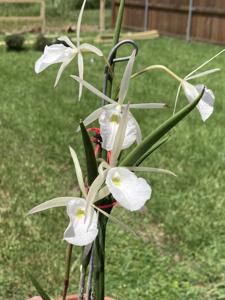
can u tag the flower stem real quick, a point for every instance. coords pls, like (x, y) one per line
(99, 261)
(82, 282)
(99, 244)
(90, 275)
(67, 273)
(118, 22)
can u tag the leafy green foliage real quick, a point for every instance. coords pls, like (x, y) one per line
(41, 42)
(38, 287)
(92, 168)
(14, 42)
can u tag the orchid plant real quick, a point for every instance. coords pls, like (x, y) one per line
(111, 180)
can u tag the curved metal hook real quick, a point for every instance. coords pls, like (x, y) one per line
(112, 60)
(112, 55)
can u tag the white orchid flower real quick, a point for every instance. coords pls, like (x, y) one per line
(110, 114)
(59, 53)
(129, 190)
(82, 229)
(205, 105)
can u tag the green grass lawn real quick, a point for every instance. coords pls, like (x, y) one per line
(182, 255)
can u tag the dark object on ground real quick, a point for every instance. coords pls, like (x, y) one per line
(41, 42)
(14, 42)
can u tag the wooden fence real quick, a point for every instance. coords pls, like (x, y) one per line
(202, 20)
(41, 18)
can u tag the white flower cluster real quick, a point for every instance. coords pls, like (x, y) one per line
(119, 130)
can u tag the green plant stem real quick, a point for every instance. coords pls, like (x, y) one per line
(99, 244)
(90, 275)
(82, 283)
(118, 22)
(67, 273)
(99, 260)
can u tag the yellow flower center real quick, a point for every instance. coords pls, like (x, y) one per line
(115, 119)
(116, 179)
(80, 213)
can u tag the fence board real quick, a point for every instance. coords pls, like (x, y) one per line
(40, 18)
(170, 17)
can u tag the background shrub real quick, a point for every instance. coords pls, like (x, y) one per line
(14, 42)
(41, 42)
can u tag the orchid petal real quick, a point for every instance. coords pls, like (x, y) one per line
(126, 78)
(91, 118)
(53, 54)
(147, 105)
(95, 187)
(151, 170)
(109, 123)
(205, 105)
(138, 131)
(78, 172)
(79, 22)
(90, 48)
(67, 41)
(80, 232)
(93, 89)
(104, 192)
(61, 69)
(81, 72)
(204, 64)
(56, 202)
(119, 137)
(129, 190)
(205, 73)
(115, 220)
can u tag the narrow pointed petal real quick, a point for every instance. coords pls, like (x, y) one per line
(90, 48)
(148, 105)
(56, 202)
(53, 54)
(67, 41)
(204, 64)
(104, 192)
(96, 186)
(119, 137)
(92, 117)
(93, 89)
(116, 221)
(151, 170)
(205, 73)
(60, 71)
(126, 78)
(79, 22)
(78, 172)
(129, 190)
(81, 72)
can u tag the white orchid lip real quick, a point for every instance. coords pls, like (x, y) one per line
(109, 120)
(82, 229)
(126, 188)
(206, 104)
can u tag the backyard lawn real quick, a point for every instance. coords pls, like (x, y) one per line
(182, 251)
